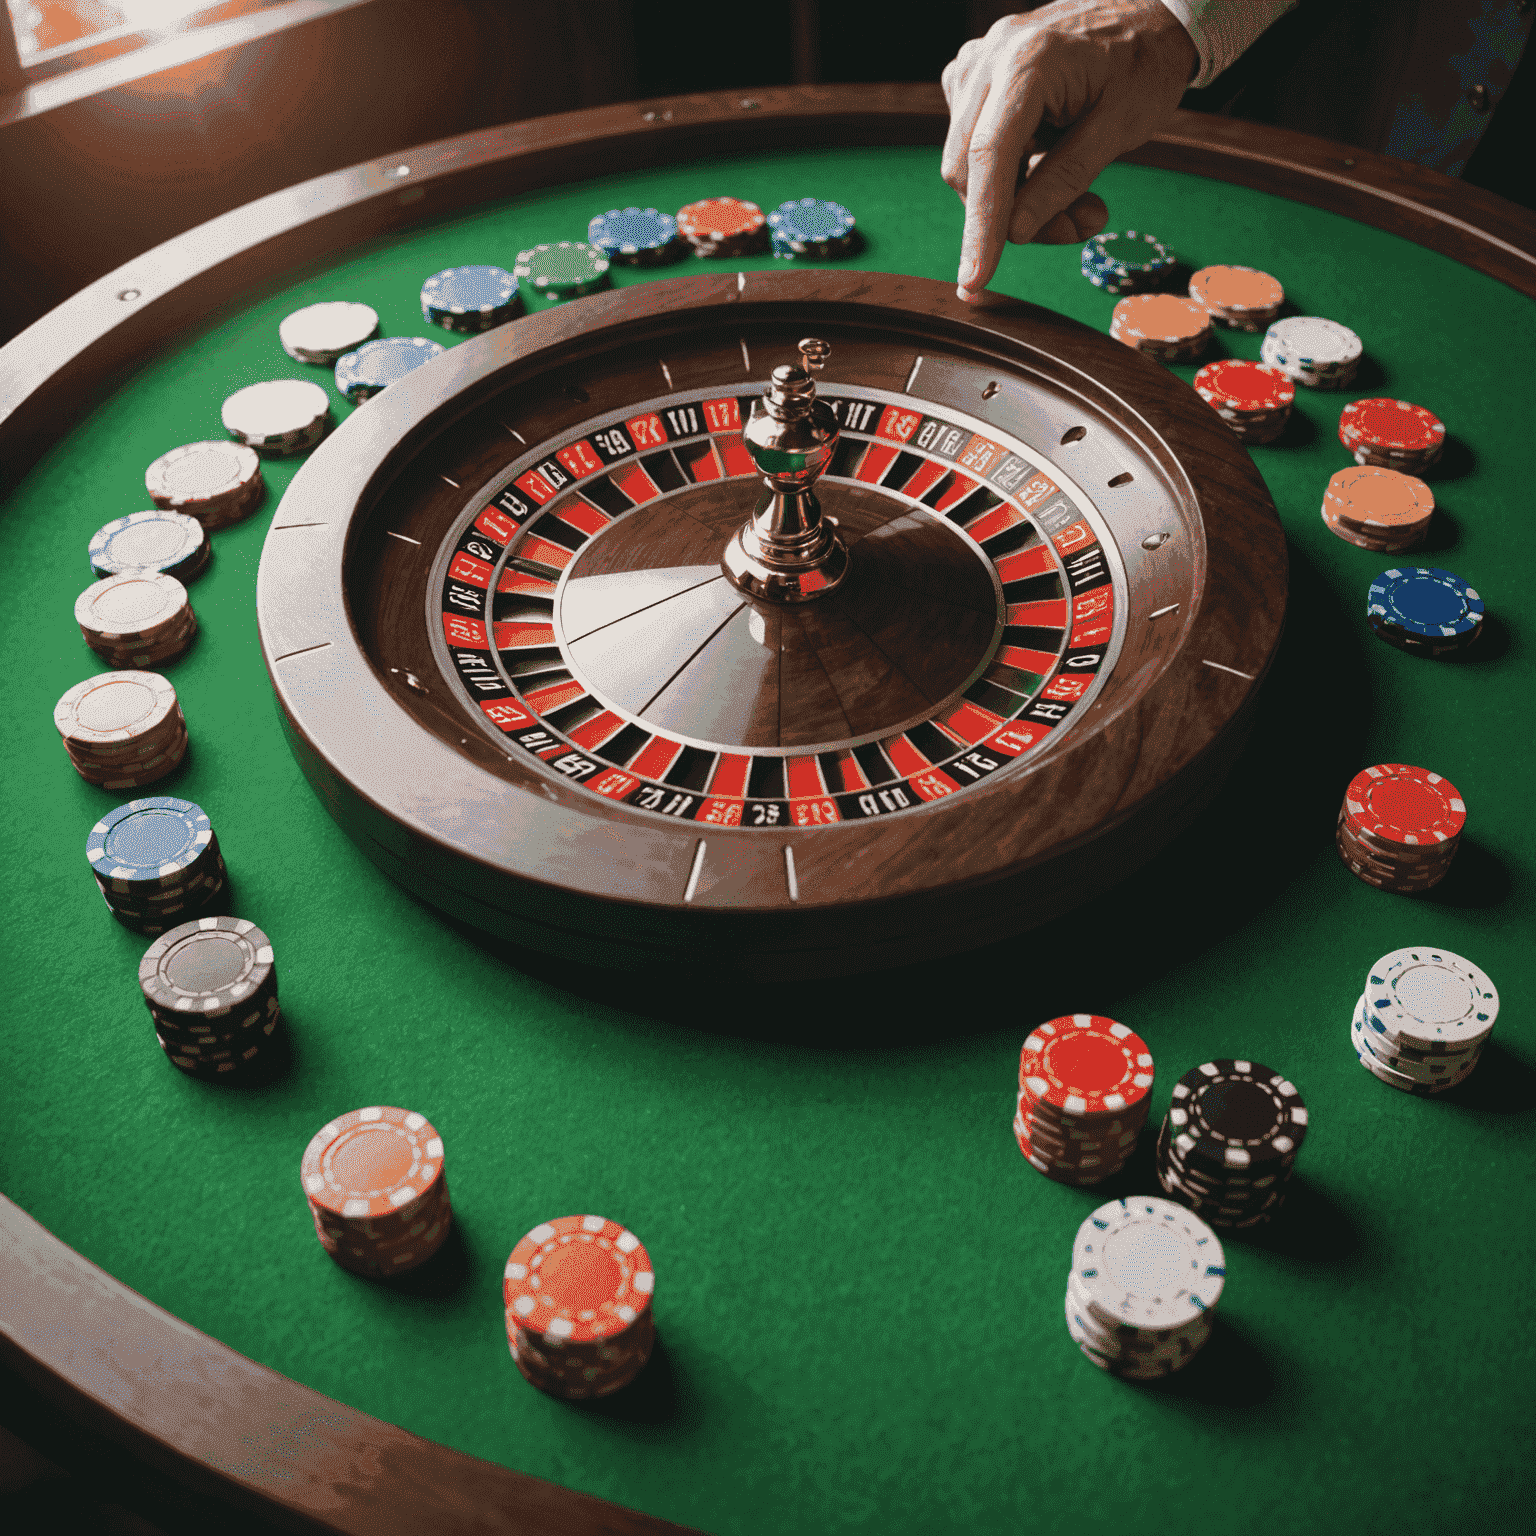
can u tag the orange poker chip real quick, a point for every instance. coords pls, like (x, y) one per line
(1379, 498)
(721, 218)
(1085, 1064)
(577, 1279)
(372, 1162)
(1161, 317)
(1237, 289)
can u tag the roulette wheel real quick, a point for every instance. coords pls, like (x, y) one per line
(610, 637)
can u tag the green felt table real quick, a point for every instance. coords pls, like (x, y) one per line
(860, 1280)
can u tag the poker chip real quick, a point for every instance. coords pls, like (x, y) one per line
(564, 270)
(723, 226)
(156, 863)
(469, 298)
(1430, 1003)
(320, 333)
(811, 226)
(1399, 827)
(155, 540)
(1145, 1279)
(1253, 399)
(217, 483)
(278, 416)
(1393, 434)
(377, 1190)
(1379, 509)
(639, 237)
(1240, 297)
(577, 1293)
(1423, 1019)
(139, 619)
(1229, 1141)
(1320, 353)
(1084, 1086)
(1425, 607)
(210, 985)
(122, 730)
(1162, 325)
(1126, 263)
(362, 374)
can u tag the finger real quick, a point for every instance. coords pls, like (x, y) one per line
(998, 142)
(1064, 175)
(1086, 216)
(964, 109)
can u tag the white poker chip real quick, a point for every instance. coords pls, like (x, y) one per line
(1314, 342)
(277, 414)
(1149, 1263)
(320, 333)
(1431, 999)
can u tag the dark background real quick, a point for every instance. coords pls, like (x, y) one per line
(108, 150)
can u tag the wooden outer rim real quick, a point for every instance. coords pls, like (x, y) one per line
(217, 1423)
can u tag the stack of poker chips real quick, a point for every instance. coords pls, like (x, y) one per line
(723, 226)
(1162, 326)
(1253, 399)
(211, 988)
(470, 298)
(1378, 509)
(1145, 1279)
(566, 269)
(1425, 610)
(1084, 1088)
(217, 483)
(360, 375)
(577, 1292)
(1240, 297)
(155, 540)
(1128, 263)
(122, 730)
(1229, 1142)
(1392, 434)
(321, 333)
(139, 619)
(278, 416)
(811, 227)
(636, 237)
(377, 1191)
(1322, 354)
(1423, 1019)
(157, 863)
(1399, 827)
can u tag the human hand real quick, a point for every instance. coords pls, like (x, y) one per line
(1110, 72)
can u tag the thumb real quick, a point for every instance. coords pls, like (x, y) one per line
(1064, 174)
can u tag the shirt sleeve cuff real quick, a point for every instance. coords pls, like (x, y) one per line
(1223, 30)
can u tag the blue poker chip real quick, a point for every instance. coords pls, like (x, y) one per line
(378, 364)
(1425, 601)
(469, 298)
(148, 843)
(157, 540)
(809, 221)
(632, 234)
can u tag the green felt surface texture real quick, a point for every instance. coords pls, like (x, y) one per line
(860, 1281)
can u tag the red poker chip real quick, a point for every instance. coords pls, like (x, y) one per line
(1083, 1063)
(720, 218)
(578, 1279)
(1244, 386)
(1390, 424)
(1399, 803)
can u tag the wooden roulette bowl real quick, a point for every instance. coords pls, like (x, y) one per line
(506, 656)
